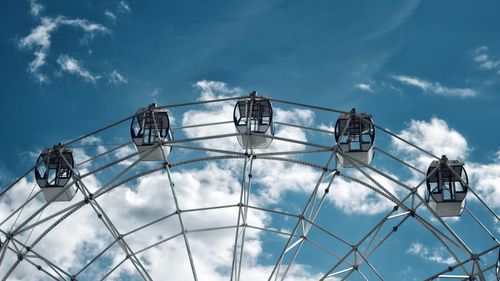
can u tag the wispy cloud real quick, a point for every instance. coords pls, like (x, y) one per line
(430, 254)
(123, 6)
(110, 14)
(72, 66)
(435, 87)
(39, 40)
(116, 78)
(36, 8)
(215, 89)
(155, 92)
(485, 62)
(364, 86)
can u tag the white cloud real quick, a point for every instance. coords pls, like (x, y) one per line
(216, 89)
(155, 92)
(36, 8)
(150, 199)
(485, 179)
(484, 60)
(435, 87)
(279, 177)
(216, 183)
(354, 198)
(429, 254)
(438, 138)
(481, 58)
(123, 6)
(72, 66)
(110, 14)
(116, 78)
(39, 40)
(364, 86)
(434, 136)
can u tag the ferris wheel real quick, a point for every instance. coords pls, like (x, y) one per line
(244, 188)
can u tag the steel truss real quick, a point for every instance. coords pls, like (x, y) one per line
(408, 203)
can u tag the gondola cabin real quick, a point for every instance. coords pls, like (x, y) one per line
(53, 172)
(253, 118)
(150, 128)
(447, 185)
(355, 136)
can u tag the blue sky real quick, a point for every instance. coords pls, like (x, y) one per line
(419, 67)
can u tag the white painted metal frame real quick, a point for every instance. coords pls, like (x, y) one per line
(408, 204)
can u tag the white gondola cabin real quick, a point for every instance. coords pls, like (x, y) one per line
(355, 136)
(253, 117)
(447, 185)
(150, 128)
(53, 172)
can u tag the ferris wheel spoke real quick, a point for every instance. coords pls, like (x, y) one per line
(277, 266)
(323, 249)
(3, 249)
(373, 169)
(304, 127)
(158, 243)
(464, 247)
(253, 120)
(349, 269)
(300, 162)
(201, 125)
(121, 241)
(306, 143)
(98, 131)
(364, 238)
(405, 141)
(128, 168)
(399, 160)
(203, 102)
(40, 268)
(294, 256)
(484, 203)
(6, 189)
(21, 207)
(479, 272)
(443, 273)
(381, 187)
(304, 220)
(369, 251)
(481, 224)
(107, 189)
(96, 257)
(103, 154)
(307, 223)
(108, 165)
(203, 159)
(195, 139)
(49, 217)
(246, 202)
(21, 253)
(294, 152)
(101, 214)
(244, 176)
(439, 236)
(113, 269)
(206, 149)
(348, 274)
(181, 223)
(365, 259)
(307, 105)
